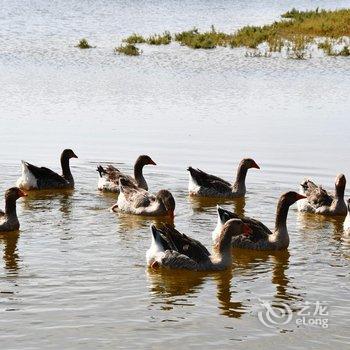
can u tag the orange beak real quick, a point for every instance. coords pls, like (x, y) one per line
(22, 193)
(246, 230)
(155, 265)
(300, 196)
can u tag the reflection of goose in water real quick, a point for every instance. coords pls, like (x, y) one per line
(201, 204)
(127, 223)
(56, 207)
(10, 254)
(228, 307)
(175, 288)
(46, 200)
(311, 223)
(256, 263)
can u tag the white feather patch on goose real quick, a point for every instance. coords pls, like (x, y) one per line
(27, 181)
(215, 234)
(105, 185)
(346, 224)
(303, 204)
(193, 187)
(155, 252)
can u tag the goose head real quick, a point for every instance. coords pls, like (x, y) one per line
(145, 160)
(340, 183)
(289, 198)
(167, 201)
(224, 215)
(68, 154)
(14, 193)
(232, 228)
(249, 163)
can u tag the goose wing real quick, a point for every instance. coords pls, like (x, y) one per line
(209, 181)
(176, 260)
(183, 244)
(133, 194)
(259, 230)
(112, 174)
(45, 175)
(316, 195)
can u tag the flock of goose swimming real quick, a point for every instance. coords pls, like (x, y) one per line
(170, 248)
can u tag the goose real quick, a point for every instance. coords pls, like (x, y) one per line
(319, 201)
(135, 200)
(346, 224)
(206, 185)
(35, 178)
(174, 250)
(109, 176)
(8, 218)
(261, 238)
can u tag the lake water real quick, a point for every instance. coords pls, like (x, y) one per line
(75, 274)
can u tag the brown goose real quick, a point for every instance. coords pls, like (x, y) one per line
(8, 218)
(319, 201)
(135, 200)
(174, 250)
(261, 238)
(35, 178)
(109, 176)
(206, 185)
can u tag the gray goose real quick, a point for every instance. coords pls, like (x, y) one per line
(174, 250)
(8, 218)
(110, 175)
(40, 178)
(207, 185)
(135, 200)
(261, 238)
(319, 201)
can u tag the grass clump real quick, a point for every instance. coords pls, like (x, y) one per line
(295, 33)
(328, 47)
(84, 44)
(207, 40)
(159, 39)
(345, 51)
(128, 49)
(135, 39)
(295, 25)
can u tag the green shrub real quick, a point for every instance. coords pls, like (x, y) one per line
(135, 39)
(83, 44)
(159, 39)
(128, 49)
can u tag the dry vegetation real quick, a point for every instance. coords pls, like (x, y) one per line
(295, 32)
